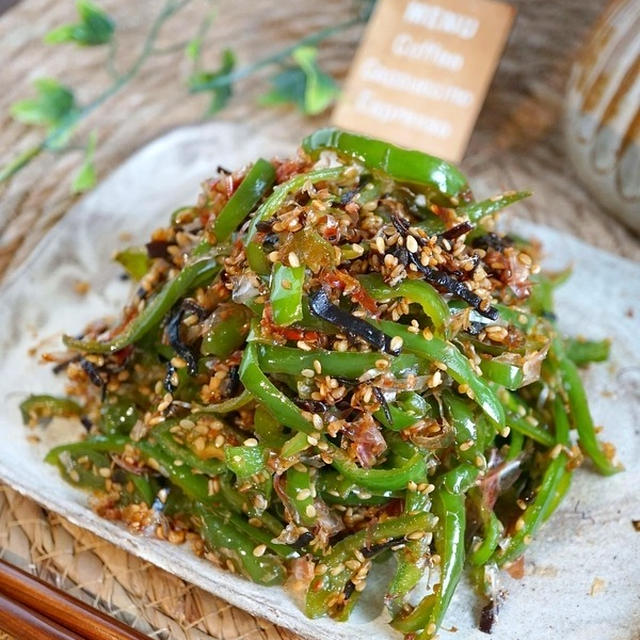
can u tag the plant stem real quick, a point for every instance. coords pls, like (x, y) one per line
(51, 142)
(21, 161)
(280, 55)
(70, 121)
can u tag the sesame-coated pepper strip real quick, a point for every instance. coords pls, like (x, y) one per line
(401, 164)
(227, 540)
(255, 184)
(582, 352)
(458, 367)
(280, 193)
(36, 407)
(579, 411)
(196, 274)
(333, 580)
(286, 411)
(300, 489)
(415, 291)
(286, 294)
(412, 559)
(344, 364)
(449, 506)
(478, 210)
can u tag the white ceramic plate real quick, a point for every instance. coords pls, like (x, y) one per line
(590, 537)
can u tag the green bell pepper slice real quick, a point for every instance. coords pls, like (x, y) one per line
(255, 184)
(286, 294)
(401, 164)
(196, 274)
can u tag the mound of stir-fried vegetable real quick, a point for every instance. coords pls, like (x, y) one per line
(326, 361)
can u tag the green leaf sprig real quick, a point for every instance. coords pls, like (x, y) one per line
(299, 79)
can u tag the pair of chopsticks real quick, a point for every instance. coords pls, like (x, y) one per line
(31, 609)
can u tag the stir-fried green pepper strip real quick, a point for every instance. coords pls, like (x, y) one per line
(478, 210)
(210, 467)
(408, 408)
(402, 164)
(280, 193)
(286, 294)
(534, 515)
(582, 352)
(100, 444)
(458, 367)
(286, 411)
(393, 479)
(268, 429)
(541, 299)
(464, 422)
(335, 488)
(135, 261)
(412, 559)
(562, 428)
(196, 487)
(257, 383)
(325, 586)
(579, 412)
(227, 334)
(519, 421)
(227, 406)
(552, 488)
(417, 291)
(516, 444)
(254, 185)
(37, 407)
(118, 417)
(492, 530)
(344, 364)
(301, 491)
(504, 374)
(245, 461)
(449, 506)
(523, 426)
(193, 275)
(227, 539)
(96, 450)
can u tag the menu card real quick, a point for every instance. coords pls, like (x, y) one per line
(422, 71)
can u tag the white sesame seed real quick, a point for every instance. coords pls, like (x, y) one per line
(310, 511)
(259, 550)
(294, 261)
(250, 442)
(412, 244)
(555, 452)
(380, 245)
(303, 494)
(396, 343)
(308, 373)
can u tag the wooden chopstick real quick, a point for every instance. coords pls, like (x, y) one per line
(25, 595)
(22, 623)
